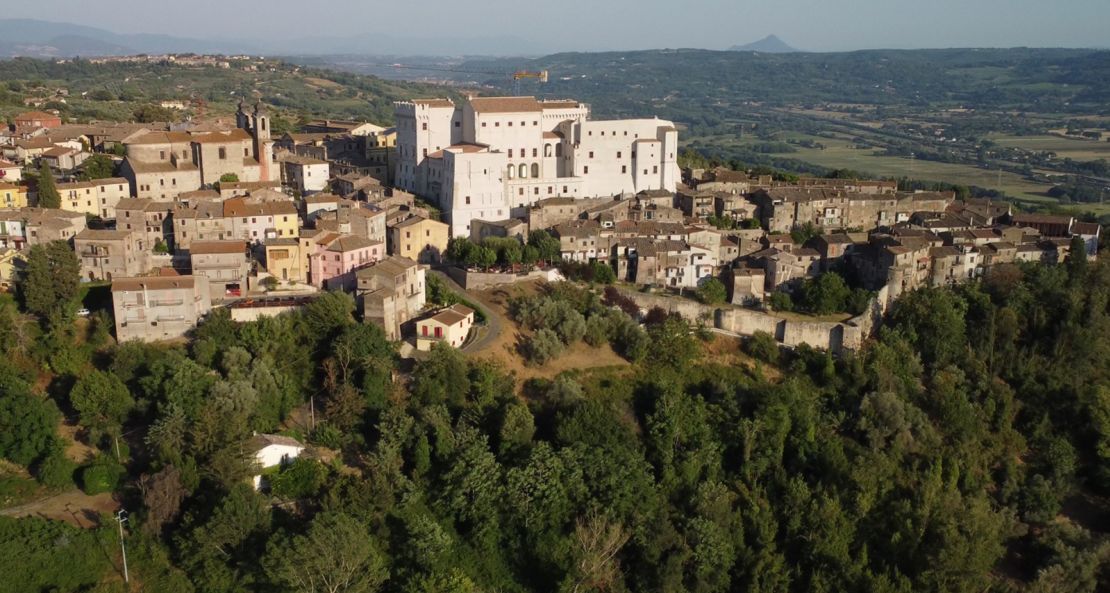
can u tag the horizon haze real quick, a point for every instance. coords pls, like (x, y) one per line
(506, 28)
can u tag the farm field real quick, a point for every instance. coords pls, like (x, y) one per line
(839, 154)
(1080, 150)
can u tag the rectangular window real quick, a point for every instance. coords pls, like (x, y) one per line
(439, 332)
(655, 169)
(424, 126)
(585, 169)
(483, 124)
(535, 152)
(591, 154)
(510, 124)
(468, 200)
(223, 153)
(618, 154)
(624, 168)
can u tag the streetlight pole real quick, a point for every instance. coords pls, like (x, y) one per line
(121, 517)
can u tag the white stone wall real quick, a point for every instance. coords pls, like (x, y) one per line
(473, 188)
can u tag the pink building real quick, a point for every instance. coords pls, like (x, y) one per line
(334, 257)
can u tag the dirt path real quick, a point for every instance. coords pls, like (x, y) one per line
(72, 506)
(503, 346)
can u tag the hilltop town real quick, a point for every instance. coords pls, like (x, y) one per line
(270, 328)
(182, 218)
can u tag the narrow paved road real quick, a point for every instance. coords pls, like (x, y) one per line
(495, 322)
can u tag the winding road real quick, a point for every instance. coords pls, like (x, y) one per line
(484, 334)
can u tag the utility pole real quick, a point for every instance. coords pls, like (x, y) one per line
(121, 517)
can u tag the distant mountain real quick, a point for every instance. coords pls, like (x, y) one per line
(770, 44)
(44, 39)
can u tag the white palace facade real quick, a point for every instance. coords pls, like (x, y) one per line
(492, 157)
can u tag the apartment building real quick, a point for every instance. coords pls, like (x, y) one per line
(154, 308)
(223, 264)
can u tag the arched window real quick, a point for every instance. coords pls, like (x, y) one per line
(546, 150)
(522, 171)
(510, 171)
(535, 170)
(558, 150)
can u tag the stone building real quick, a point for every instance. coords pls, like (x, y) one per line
(162, 165)
(107, 254)
(390, 293)
(784, 208)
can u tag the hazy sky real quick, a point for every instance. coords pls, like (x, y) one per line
(563, 25)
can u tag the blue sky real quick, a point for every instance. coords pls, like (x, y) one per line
(818, 25)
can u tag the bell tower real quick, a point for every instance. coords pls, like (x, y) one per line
(242, 120)
(260, 121)
(263, 145)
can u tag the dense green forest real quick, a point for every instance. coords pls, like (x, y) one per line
(965, 449)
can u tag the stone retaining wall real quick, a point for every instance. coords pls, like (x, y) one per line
(832, 336)
(482, 280)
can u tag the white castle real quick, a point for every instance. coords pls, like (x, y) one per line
(493, 157)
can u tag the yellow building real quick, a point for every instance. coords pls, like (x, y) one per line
(13, 196)
(284, 260)
(97, 198)
(419, 239)
(286, 219)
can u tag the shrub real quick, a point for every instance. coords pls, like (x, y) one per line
(570, 326)
(762, 346)
(544, 346)
(603, 273)
(781, 301)
(712, 292)
(102, 475)
(597, 330)
(56, 471)
(630, 340)
(269, 282)
(614, 298)
(300, 479)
